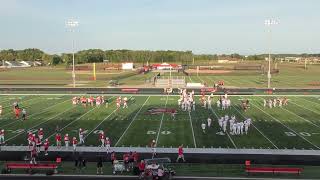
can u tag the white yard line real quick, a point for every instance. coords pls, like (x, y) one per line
(200, 79)
(190, 79)
(226, 132)
(43, 111)
(161, 122)
(194, 139)
(40, 123)
(286, 126)
(73, 121)
(103, 121)
(133, 119)
(257, 128)
(304, 107)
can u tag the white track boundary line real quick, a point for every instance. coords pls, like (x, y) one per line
(40, 123)
(72, 122)
(165, 106)
(43, 111)
(286, 126)
(102, 121)
(194, 139)
(304, 107)
(133, 119)
(256, 128)
(226, 132)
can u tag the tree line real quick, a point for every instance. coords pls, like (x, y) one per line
(116, 56)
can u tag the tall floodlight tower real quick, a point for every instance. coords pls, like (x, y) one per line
(71, 25)
(269, 23)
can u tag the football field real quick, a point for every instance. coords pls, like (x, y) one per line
(295, 126)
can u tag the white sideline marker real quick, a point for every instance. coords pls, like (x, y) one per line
(131, 121)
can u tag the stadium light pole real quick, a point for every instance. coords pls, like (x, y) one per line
(71, 25)
(269, 23)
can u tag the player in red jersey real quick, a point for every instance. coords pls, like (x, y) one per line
(84, 101)
(29, 138)
(33, 155)
(180, 154)
(135, 157)
(46, 147)
(17, 113)
(40, 134)
(126, 161)
(66, 140)
(58, 140)
(102, 139)
(74, 143)
(113, 157)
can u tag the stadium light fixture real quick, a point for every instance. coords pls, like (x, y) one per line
(269, 23)
(71, 24)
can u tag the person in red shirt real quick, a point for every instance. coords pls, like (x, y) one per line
(135, 157)
(180, 154)
(66, 140)
(17, 113)
(141, 166)
(46, 147)
(29, 138)
(126, 161)
(40, 134)
(58, 140)
(113, 157)
(74, 143)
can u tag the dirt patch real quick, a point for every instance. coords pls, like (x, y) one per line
(208, 71)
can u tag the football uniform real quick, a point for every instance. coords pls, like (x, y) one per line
(108, 144)
(58, 140)
(66, 141)
(2, 136)
(40, 134)
(102, 139)
(74, 143)
(81, 136)
(0, 110)
(46, 146)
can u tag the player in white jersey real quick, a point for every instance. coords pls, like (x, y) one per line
(270, 103)
(205, 103)
(246, 127)
(274, 102)
(223, 104)
(81, 136)
(248, 121)
(238, 128)
(218, 104)
(226, 117)
(241, 127)
(209, 102)
(232, 121)
(203, 127)
(220, 122)
(224, 124)
(209, 120)
(125, 102)
(264, 103)
(108, 144)
(0, 110)
(193, 105)
(234, 129)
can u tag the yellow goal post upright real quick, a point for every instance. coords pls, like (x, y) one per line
(94, 72)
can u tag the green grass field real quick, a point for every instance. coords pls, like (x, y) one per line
(290, 76)
(295, 126)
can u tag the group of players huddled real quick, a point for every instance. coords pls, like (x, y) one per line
(99, 101)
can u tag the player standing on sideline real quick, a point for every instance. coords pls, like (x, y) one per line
(209, 122)
(108, 144)
(203, 127)
(38, 144)
(17, 112)
(264, 102)
(2, 137)
(40, 134)
(74, 143)
(180, 154)
(102, 139)
(33, 155)
(81, 135)
(153, 146)
(58, 140)
(29, 138)
(66, 140)
(24, 114)
(0, 110)
(46, 147)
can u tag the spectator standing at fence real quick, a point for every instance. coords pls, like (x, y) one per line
(141, 166)
(113, 157)
(99, 166)
(180, 154)
(126, 161)
(135, 157)
(2, 137)
(74, 143)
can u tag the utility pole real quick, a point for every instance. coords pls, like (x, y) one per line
(71, 25)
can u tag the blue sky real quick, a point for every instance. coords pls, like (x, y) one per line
(203, 26)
